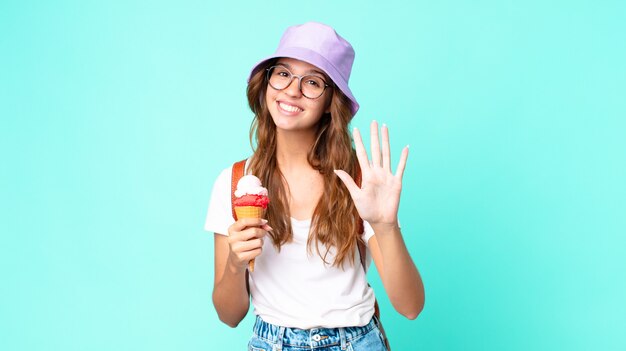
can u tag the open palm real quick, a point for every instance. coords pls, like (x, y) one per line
(378, 198)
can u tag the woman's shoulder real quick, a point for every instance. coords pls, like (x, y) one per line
(224, 177)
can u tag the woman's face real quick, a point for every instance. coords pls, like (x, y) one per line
(292, 111)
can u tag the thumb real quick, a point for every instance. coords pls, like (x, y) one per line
(347, 181)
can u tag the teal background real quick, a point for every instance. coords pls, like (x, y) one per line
(116, 117)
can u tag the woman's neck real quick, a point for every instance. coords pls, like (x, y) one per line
(292, 150)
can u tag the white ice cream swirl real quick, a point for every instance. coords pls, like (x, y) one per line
(250, 185)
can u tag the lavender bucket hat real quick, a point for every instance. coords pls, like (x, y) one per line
(319, 45)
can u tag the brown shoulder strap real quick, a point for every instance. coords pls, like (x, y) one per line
(237, 173)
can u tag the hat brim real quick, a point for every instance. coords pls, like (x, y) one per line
(317, 60)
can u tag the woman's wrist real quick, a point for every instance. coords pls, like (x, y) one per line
(385, 227)
(235, 269)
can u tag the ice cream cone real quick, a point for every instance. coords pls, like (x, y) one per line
(249, 212)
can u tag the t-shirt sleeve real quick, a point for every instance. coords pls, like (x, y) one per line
(368, 232)
(219, 215)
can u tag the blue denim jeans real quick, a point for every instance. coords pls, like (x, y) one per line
(270, 337)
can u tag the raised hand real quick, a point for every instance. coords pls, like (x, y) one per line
(378, 198)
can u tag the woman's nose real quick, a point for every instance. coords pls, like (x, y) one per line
(293, 89)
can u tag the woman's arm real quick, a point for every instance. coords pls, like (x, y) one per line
(231, 297)
(377, 201)
(400, 277)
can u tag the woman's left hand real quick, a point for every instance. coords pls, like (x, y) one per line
(378, 198)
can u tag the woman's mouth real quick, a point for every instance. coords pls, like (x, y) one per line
(289, 109)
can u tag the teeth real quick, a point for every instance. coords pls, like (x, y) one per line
(289, 107)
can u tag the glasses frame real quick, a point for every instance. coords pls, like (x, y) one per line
(267, 76)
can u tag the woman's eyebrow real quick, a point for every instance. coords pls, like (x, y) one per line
(307, 72)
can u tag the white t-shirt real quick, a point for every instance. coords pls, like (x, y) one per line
(294, 288)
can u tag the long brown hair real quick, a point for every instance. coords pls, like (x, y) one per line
(335, 221)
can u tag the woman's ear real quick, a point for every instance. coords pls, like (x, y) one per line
(329, 104)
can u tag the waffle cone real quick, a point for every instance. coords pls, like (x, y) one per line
(249, 212)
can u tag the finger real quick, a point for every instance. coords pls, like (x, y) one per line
(361, 154)
(348, 182)
(243, 223)
(245, 253)
(374, 144)
(250, 255)
(246, 235)
(402, 164)
(385, 146)
(254, 232)
(250, 245)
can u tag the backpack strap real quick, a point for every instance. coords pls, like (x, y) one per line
(237, 173)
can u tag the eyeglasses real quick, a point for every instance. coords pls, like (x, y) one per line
(279, 78)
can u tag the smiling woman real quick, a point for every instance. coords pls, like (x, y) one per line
(113, 120)
(331, 209)
(284, 99)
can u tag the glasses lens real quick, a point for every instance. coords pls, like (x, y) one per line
(279, 77)
(312, 86)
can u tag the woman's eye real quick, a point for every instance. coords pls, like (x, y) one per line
(281, 72)
(313, 82)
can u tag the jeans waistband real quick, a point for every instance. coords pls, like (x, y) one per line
(309, 338)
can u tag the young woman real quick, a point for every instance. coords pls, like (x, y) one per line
(309, 288)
